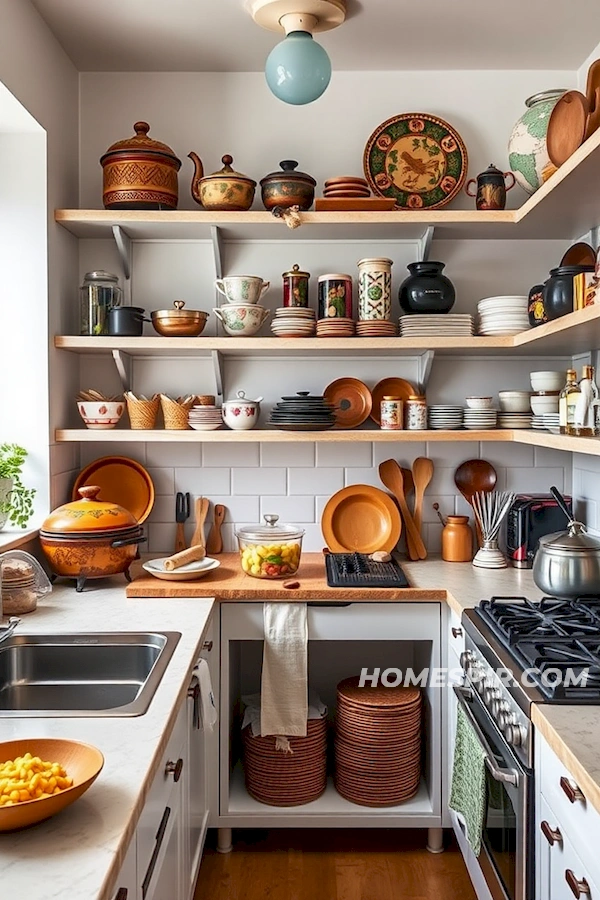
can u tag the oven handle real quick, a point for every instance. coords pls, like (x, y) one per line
(508, 776)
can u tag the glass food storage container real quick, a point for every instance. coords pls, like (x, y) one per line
(270, 550)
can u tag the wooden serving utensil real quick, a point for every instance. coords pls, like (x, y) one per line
(409, 484)
(472, 476)
(201, 508)
(214, 543)
(422, 470)
(391, 476)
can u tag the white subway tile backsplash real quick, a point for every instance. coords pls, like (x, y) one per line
(546, 456)
(289, 509)
(163, 509)
(175, 455)
(93, 451)
(163, 480)
(442, 484)
(259, 481)
(203, 482)
(237, 509)
(363, 476)
(447, 505)
(433, 537)
(297, 455)
(507, 454)
(230, 454)
(230, 544)
(61, 486)
(450, 454)
(534, 480)
(321, 503)
(313, 540)
(315, 481)
(586, 511)
(161, 538)
(404, 453)
(344, 455)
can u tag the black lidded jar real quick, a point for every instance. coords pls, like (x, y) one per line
(558, 290)
(427, 290)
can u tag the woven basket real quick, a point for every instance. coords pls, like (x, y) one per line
(205, 400)
(175, 413)
(142, 413)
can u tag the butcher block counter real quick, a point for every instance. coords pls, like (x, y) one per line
(461, 585)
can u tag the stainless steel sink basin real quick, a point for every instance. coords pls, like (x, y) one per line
(96, 674)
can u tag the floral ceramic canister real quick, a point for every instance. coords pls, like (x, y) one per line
(335, 296)
(374, 289)
(527, 152)
(295, 287)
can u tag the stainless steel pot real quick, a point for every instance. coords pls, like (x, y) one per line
(567, 563)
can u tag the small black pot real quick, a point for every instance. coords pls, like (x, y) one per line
(426, 290)
(126, 321)
(558, 290)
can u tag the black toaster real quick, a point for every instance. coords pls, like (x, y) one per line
(530, 517)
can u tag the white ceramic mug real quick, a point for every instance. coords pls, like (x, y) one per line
(242, 320)
(242, 288)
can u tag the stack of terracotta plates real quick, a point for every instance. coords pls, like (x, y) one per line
(346, 186)
(286, 779)
(376, 328)
(377, 743)
(340, 326)
(293, 321)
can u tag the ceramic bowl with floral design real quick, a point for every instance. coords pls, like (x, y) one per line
(242, 319)
(241, 414)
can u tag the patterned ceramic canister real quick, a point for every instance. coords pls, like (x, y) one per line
(391, 414)
(415, 413)
(335, 296)
(527, 151)
(295, 287)
(374, 289)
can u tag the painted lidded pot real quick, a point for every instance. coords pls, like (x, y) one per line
(295, 287)
(140, 173)
(527, 151)
(375, 289)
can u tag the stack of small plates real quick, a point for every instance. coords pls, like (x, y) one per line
(303, 413)
(340, 326)
(286, 779)
(503, 315)
(446, 325)
(514, 419)
(480, 419)
(346, 186)
(293, 321)
(376, 328)
(442, 416)
(377, 743)
(205, 418)
(551, 422)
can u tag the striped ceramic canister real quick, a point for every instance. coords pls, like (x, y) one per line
(374, 289)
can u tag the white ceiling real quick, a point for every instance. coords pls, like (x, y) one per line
(219, 35)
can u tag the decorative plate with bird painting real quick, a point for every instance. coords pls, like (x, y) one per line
(418, 160)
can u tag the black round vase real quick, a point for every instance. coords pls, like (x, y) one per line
(558, 290)
(426, 290)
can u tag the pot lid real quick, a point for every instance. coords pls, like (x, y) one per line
(271, 531)
(295, 272)
(88, 514)
(178, 312)
(141, 142)
(228, 172)
(575, 540)
(335, 275)
(287, 173)
(491, 170)
(100, 276)
(241, 398)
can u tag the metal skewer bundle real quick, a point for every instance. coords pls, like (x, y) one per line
(490, 508)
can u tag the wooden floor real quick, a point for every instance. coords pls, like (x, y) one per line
(342, 864)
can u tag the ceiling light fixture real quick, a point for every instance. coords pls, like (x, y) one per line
(298, 69)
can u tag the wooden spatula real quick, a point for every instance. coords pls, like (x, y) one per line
(214, 544)
(201, 509)
(391, 476)
(422, 470)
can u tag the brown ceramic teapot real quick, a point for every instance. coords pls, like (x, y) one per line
(223, 190)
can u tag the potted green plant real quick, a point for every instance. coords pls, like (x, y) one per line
(16, 501)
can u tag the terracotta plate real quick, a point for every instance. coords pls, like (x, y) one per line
(389, 387)
(354, 204)
(418, 160)
(567, 126)
(121, 480)
(361, 518)
(352, 400)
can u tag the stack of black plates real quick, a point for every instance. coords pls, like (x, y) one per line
(303, 413)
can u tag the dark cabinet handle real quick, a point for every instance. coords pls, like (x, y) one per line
(121, 894)
(457, 632)
(579, 887)
(553, 836)
(573, 793)
(174, 769)
(207, 645)
(157, 845)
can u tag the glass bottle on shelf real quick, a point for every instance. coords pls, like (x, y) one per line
(567, 401)
(586, 407)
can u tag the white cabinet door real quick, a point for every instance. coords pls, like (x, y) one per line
(561, 875)
(163, 879)
(126, 886)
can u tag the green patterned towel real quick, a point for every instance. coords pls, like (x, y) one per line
(468, 780)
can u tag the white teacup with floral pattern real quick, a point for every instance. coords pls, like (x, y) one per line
(241, 319)
(241, 414)
(242, 289)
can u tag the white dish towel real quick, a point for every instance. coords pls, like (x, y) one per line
(284, 685)
(207, 697)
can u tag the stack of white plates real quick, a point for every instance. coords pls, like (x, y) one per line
(537, 422)
(446, 325)
(551, 422)
(445, 416)
(514, 419)
(293, 321)
(205, 418)
(480, 419)
(503, 315)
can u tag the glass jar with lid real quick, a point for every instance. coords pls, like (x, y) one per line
(270, 550)
(99, 293)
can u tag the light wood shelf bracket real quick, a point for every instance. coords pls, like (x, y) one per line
(123, 363)
(217, 360)
(123, 242)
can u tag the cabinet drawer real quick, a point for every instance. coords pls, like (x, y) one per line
(160, 793)
(578, 819)
(562, 873)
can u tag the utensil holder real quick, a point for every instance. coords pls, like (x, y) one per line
(175, 414)
(142, 413)
(490, 557)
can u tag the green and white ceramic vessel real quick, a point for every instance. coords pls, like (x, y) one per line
(527, 151)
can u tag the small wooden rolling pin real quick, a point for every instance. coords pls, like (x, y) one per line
(193, 554)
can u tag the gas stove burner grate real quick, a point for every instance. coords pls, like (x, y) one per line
(548, 660)
(513, 618)
(357, 570)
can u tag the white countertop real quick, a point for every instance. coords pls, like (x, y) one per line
(78, 852)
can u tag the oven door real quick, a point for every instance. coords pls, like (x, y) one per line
(504, 846)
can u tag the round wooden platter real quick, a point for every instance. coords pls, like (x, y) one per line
(361, 518)
(352, 400)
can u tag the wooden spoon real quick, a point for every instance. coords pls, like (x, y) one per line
(409, 484)
(475, 475)
(391, 476)
(214, 544)
(422, 470)
(201, 509)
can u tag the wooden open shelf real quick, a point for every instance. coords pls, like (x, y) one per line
(224, 435)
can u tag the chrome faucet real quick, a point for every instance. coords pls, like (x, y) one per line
(7, 630)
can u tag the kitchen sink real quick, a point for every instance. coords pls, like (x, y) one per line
(91, 674)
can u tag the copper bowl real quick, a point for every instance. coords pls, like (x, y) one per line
(179, 322)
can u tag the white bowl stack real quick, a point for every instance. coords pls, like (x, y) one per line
(503, 315)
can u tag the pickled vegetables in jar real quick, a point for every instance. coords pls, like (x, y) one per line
(271, 550)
